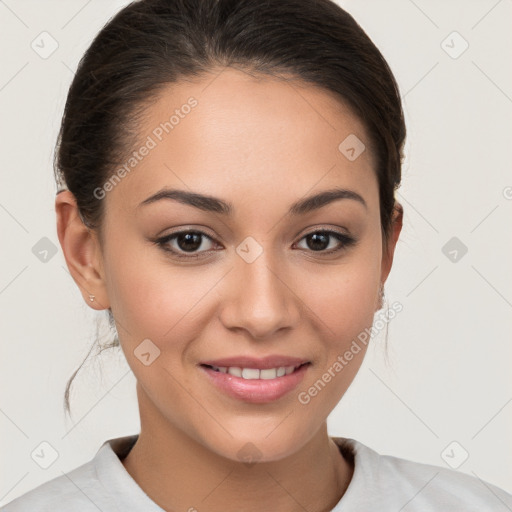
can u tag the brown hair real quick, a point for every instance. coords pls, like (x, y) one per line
(152, 43)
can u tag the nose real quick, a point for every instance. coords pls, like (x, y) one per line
(261, 298)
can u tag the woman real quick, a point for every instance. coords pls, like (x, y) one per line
(228, 172)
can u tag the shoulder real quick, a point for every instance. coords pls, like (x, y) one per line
(70, 491)
(388, 481)
(100, 484)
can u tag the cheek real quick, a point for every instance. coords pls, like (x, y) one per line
(155, 299)
(343, 296)
(136, 289)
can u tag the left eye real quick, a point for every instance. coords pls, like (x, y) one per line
(319, 239)
(191, 242)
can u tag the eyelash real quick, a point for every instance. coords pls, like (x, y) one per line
(346, 240)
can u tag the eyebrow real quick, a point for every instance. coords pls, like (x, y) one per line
(216, 205)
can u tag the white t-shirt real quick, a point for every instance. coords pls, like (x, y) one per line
(379, 483)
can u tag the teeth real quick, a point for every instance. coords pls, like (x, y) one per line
(270, 373)
(254, 373)
(233, 370)
(250, 373)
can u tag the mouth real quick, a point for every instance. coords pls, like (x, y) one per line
(256, 373)
(255, 381)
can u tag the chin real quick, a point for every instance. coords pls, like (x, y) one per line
(259, 444)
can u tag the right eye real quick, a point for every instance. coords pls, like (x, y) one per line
(184, 244)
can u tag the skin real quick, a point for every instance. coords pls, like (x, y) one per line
(261, 144)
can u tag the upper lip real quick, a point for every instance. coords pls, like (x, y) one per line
(260, 363)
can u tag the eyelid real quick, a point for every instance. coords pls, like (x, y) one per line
(313, 229)
(189, 228)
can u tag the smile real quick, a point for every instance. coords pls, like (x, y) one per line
(255, 385)
(255, 373)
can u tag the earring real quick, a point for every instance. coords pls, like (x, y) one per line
(91, 298)
(381, 295)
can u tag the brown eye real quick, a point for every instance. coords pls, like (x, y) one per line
(188, 241)
(185, 244)
(321, 240)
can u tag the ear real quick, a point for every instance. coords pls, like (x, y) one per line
(81, 250)
(387, 256)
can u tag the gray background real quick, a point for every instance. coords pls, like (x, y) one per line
(442, 392)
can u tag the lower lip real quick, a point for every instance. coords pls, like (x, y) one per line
(256, 391)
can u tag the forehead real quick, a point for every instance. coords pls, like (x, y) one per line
(230, 134)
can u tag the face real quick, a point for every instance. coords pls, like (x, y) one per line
(264, 285)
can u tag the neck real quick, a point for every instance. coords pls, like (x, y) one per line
(178, 473)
